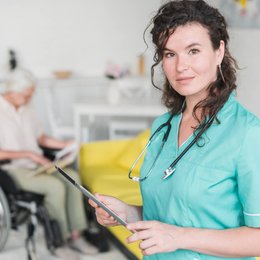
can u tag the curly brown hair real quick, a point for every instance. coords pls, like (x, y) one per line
(179, 13)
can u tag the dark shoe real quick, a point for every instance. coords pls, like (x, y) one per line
(97, 238)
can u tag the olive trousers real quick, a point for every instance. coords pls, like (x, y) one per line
(62, 200)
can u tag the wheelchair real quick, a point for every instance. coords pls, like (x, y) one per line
(5, 221)
(18, 207)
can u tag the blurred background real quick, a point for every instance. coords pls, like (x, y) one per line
(84, 51)
(93, 68)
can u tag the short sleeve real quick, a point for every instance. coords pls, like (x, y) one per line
(159, 121)
(248, 174)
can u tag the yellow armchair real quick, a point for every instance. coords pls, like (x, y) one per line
(104, 166)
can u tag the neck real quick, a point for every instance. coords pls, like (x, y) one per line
(9, 99)
(190, 104)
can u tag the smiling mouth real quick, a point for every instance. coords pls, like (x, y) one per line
(184, 80)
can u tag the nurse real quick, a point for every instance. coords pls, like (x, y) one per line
(208, 206)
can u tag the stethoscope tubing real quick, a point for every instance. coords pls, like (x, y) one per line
(200, 133)
(170, 170)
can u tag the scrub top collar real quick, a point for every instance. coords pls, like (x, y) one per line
(227, 110)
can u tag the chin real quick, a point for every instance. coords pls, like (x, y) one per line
(190, 91)
(186, 93)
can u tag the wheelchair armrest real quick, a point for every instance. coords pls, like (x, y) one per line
(49, 152)
(2, 162)
(7, 183)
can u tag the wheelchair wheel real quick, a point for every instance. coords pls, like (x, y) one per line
(5, 219)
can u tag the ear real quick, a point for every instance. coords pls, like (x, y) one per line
(220, 52)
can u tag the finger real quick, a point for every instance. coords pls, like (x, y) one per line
(106, 222)
(139, 235)
(108, 218)
(92, 203)
(100, 197)
(140, 225)
(147, 243)
(109, 222)
(103, 213)
(103, 198)
(151, 250)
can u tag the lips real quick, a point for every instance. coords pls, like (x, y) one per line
(184, 80)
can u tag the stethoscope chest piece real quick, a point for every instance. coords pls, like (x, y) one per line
(168, 172)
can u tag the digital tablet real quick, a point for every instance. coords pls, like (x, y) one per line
(90, 196)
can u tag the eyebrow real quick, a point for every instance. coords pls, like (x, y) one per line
(193, 44)
(189, 46)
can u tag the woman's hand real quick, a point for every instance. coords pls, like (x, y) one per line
(157, 237)
(51, 142)
(37, 158)
(68, 142)
(116, 205)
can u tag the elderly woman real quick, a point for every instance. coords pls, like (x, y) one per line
(20, 137)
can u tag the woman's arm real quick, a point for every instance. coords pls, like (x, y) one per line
(158, 237)
(10, 155)
(50, 142)
(235, 242)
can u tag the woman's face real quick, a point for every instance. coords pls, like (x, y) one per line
(22, 98)
(190, 62)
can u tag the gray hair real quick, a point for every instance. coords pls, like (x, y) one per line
(19, 80)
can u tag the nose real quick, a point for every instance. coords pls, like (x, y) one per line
(182, 63)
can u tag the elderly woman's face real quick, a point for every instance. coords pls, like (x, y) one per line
(189, 60)
(22, 98)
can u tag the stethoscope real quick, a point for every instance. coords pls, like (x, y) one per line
(171, 169)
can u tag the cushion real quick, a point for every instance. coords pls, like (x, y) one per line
(131, 152)
(113, 181)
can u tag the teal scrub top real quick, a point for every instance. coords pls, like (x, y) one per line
(215, 185)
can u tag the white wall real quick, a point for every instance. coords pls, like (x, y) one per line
(244, 46)
(80, 35)
(83, 35)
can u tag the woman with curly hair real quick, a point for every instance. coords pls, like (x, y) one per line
(201, 173)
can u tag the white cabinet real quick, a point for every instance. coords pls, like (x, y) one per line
(96, 108)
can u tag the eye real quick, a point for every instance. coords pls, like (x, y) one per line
(168, 54)
(193, 51)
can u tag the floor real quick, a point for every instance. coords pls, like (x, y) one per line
(15, 249)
